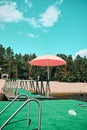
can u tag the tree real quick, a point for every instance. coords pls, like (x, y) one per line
(81, 67)
(9, 55)
(17, 66)
(26, 66)
(2, 55)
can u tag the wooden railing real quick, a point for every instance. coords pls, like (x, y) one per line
(40, 87)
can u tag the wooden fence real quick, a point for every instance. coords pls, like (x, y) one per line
(39, 87)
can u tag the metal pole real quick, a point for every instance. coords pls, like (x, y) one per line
(48, 73)
(39, 113)
(13, 102)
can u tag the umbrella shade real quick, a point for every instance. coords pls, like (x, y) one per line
(48, 60)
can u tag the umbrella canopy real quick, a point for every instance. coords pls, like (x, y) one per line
(48, 60)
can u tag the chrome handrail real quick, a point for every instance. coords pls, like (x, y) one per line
(39, 113)
(13, 102)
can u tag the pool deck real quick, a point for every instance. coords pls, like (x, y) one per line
(58, 90)
(54, 116)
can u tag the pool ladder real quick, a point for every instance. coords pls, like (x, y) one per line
(26, 102)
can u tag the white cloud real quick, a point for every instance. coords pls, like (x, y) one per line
(33, 21)
(82, 53)
(45, 30)
(61, 1)
(32, 35)
(46, 19)
(29, 3)
(50, 16)
(9, 12)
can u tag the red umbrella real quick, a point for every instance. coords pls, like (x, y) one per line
(48, 60)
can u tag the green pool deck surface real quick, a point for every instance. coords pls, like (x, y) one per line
(30, 94)
(55, 115)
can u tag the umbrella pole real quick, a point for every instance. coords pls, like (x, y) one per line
(48, 73)
(47, 86)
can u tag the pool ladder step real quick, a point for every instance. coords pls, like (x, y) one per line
(15, 113)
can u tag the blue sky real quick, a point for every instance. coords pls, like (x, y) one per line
(44, 26)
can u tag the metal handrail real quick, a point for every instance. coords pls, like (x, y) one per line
(13, 102)
(39, 113)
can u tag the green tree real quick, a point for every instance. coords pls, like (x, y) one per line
(81, 67)
(2, 55)
(9, 56)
